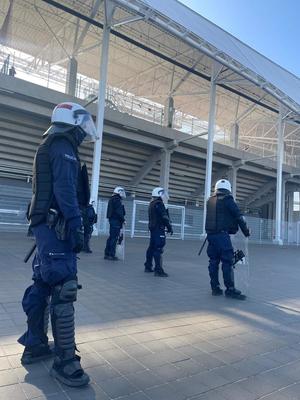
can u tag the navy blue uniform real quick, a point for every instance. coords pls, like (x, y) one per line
(116, 216)
(223, 218)
(55, 261)
(89, 218)
(158, 222)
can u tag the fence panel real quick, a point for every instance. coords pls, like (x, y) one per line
(193, 223)
(139, 220)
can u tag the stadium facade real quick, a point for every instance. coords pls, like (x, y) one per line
(181, 103)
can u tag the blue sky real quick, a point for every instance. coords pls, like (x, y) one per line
(272, 27)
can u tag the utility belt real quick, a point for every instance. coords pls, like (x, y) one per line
(55, 220)
(216, 232)
(157, 228)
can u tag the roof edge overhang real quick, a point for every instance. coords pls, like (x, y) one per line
(190, 39)
(150, 14)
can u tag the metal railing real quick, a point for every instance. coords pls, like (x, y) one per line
(187, 220)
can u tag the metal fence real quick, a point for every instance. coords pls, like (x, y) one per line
(187, 221)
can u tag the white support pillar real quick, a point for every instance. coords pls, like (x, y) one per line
(280, 137)
(234, 135)
(284, 225)
(216, 68)
(169, 112)
(290, 206)
(165, 168)
(72, 76)
(270, 210)
(283, 204)
(232, 177)
(109, 10)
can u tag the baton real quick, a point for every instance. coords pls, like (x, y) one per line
(29, 254)
(202, 247)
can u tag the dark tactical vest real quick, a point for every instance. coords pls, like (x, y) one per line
(218, 217)
(115, 202)
(155, 219)
(42, 186)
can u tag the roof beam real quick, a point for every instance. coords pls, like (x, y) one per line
(170, 59)
(144, 171)
(185, 76)
(263, 200)
(86, 27)
(261, 191)
(218, 174)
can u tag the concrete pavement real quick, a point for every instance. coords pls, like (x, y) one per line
(147, 338)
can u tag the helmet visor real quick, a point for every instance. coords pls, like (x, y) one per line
(122, 194)
(165, 196)
(88, 126)
(86, 123)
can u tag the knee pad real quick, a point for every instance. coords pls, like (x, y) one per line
(65, 293)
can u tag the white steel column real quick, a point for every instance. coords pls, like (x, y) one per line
(72, 76)
(234, 135)
(283, 196)
(216, 68)
(165, 162)
(232, 177)
(109, 9)
(280, 137)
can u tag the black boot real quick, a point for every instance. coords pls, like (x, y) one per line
(87, 249)
(32, 354)
(148, 268)
(217, 291)
(161, 273)
(234, 294)
(69, 372)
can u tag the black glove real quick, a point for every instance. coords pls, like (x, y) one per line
(77, 239)
(246, 232)
(170, 230)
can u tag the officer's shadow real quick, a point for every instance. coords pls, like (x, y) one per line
(38, 382)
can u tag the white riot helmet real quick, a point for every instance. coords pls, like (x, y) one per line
(119, 190)
(160, 192)
(223, 184)
(75, 115)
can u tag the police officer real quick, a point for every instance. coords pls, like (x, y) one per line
(89, 216)
(57, 226)
(159, 220)
(222, 219)
(116, 216)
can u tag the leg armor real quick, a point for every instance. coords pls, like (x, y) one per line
(62, 318)
(66, 367)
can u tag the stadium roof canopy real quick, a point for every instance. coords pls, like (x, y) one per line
(159, 49)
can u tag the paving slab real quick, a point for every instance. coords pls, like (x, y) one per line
(142, 337)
